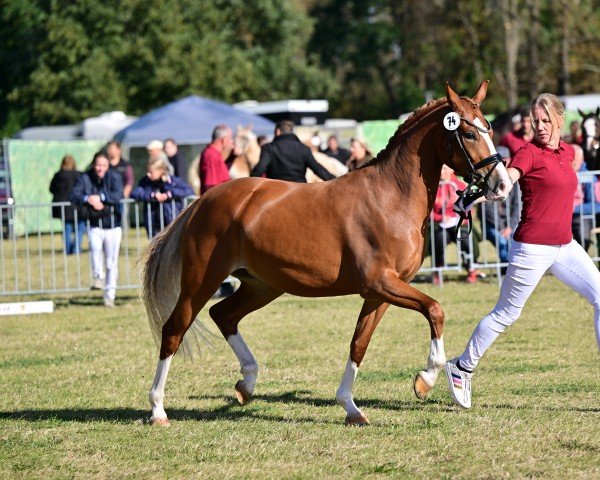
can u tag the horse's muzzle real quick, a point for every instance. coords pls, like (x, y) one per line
(499, 184)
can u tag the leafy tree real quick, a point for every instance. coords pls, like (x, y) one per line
(134, 55)
(387, 54)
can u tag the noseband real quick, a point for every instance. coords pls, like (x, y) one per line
(477, 182)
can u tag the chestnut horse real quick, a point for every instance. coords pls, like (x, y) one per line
(365, 235)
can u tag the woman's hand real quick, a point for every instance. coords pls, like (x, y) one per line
(96, 202)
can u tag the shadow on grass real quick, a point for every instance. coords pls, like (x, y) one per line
(93, 300)
(230, 411)
(305, 397)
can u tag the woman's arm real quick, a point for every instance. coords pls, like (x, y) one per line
(514, 174)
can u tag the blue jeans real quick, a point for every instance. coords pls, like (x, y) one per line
(499, 241)
(73, 243)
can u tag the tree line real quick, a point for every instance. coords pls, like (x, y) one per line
(65, 61)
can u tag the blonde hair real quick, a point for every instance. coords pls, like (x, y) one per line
(552, 105)
(159, 163)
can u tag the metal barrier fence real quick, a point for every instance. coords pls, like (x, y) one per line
(37, 263)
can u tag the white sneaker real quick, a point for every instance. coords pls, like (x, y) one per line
(459, 384)
(98, 284)
(109, 302)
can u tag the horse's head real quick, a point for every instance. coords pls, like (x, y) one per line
(243, 139)
(590, 128)
(247, 152)
(471, 151)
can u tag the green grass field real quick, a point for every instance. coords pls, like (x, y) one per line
(74, 385)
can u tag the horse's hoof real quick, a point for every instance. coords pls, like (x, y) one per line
(242, 394)
(163, 422)
(421, 387)
(357, 420)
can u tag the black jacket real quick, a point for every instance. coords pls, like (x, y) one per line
(61, 187)
(287, 158)
(110, 189)
(179, 165)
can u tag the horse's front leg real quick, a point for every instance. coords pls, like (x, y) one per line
(401, 294)
(370, 314)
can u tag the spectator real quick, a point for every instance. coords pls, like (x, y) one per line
(445, 220)
(334, 150)
(163, 195)
(117, 162)
(584, 204)
(155, 150)
(574, 136)
(262, 140)
(331, 164)
(100, 191)
(521, 134)
(359, 154)
(501, 218)
(287, 158)
(212, 167)
(61, 187)
(175, 158)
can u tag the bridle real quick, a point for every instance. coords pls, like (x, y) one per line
(477, 182)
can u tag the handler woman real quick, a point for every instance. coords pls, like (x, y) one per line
(543, 240)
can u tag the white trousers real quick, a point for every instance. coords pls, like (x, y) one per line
(104, 249)
(527, 264)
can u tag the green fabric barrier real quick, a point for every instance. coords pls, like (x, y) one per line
(377, 133)
(32, 164)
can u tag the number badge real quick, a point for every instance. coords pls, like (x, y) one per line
(451, 121)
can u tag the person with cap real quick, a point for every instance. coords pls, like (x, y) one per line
(155, 150)
(287, 158)
(501, 218)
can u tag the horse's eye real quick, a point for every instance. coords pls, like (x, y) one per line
(469, 135)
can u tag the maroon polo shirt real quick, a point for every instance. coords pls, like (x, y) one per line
(548, 183)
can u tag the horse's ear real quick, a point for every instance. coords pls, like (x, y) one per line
(481, 92)
(452, 96)
(580, 112)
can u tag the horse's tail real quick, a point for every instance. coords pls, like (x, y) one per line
(161, 285)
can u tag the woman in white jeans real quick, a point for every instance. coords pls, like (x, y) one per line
(543, 240)
(100, 190)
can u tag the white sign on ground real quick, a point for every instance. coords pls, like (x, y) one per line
(23, 308)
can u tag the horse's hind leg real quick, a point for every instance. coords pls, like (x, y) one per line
(369, 317)
(252, 295)
(190, 302)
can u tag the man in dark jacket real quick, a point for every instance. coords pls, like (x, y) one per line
(287, 158)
